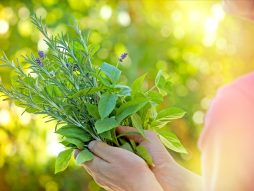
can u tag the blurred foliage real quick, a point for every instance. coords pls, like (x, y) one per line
(194, 42)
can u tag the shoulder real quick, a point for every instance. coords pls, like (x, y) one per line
(233, 105)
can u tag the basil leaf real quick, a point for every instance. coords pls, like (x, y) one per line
(106, 104)
(93, 110)
(84, 156)
(171, 141)
(111, 72)
(106, 124)
(144, 153)
(62, 160)
(137, 123)
(72, 131)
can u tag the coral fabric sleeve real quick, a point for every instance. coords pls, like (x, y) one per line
(227, 141)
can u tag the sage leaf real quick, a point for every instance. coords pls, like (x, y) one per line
(106, 124)
(72, 131)
(84, 156)
(106, 104)
(112, 72)
(144, 153)
(93, 110)
(130, 108)
(62, 160)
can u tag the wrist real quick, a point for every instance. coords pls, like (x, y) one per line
(146, 181)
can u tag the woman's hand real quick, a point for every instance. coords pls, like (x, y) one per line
(116, 169)
(170, 175)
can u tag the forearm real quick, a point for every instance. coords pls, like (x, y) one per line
(173, 177)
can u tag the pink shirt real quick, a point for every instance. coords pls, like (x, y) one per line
(227, 141)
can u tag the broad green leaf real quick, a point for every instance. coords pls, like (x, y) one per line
(167, 115)
(72, 131)
(107, 135)
(160, 83)
(138, 83)
(144, 153)
(106, 124)
(127, 147)
(124, 90)
(84, 156)
(171, 141)
(130, 108)
(137, 123)
(93, 110)
(62, 160)
(86, 91)
(112, 72)
(93, 48)
(107, 104)
(155, 97)
(74, 141)
(170, 114)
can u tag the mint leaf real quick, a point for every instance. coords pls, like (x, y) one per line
(111, 72)
(106, 104)
(62, 160)
(84, 156)
(106, 124)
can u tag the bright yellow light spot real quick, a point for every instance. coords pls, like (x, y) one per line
(25, 28)
(123, 18)
(198, 117)
(53, 147)
(218, 12)
(194, 16)
(106, 12)
(211, 25)
(41, 12)
(4, 26)
(23, 13)
(4, 117)
(42, 45)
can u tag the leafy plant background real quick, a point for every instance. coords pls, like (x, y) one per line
(198, 46)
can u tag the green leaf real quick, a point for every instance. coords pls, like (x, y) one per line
(160, 83)
(93, 48)
(170, 114)
(86, 91)
(72, 131)
(62, 160)
(84, 156)
(111, 72)
(124, 90)
(106, 104)
(171, 141)
(74, 141)
(106, 124)
(155, 97)
(53, 91)
(137, 123)
(138, 83)
(144, 153)
(127, 147)
(93, 110)
(130, 108)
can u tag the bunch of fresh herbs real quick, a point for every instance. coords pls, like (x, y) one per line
(88, 102)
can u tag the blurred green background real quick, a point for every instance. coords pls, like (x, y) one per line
(193, 41)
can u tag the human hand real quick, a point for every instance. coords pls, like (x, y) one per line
(116, 169)
(170, 175)
(242, 8)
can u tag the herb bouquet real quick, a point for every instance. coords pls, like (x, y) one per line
(88, 102)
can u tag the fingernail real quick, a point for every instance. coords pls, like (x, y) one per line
(91, 144)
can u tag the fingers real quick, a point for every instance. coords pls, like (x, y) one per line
(136, 137)
(96, 165)
(104, 151)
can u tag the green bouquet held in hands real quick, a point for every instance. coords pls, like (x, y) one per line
(88, 102)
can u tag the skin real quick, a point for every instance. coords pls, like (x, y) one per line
(116, 169)
(113, 165)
